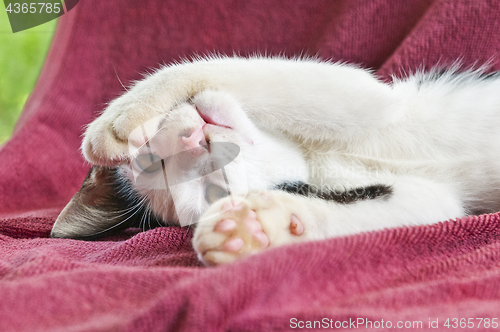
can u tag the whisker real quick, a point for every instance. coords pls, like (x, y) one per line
(126, 211)
(131, 94)
(138, 208)
(149, 218)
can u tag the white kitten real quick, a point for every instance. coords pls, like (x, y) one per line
(302, 149)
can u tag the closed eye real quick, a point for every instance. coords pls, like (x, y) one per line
(149, 163)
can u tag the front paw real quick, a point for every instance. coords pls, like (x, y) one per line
(125, 124)
(132, 119)
(226, 232)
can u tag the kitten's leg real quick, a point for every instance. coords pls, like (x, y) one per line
(276, 218)
(319, 100)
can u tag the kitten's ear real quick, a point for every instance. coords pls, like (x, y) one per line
(104, 204)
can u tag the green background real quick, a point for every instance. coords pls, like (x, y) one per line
(21, 59)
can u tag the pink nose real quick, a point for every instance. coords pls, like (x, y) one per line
(195, 139)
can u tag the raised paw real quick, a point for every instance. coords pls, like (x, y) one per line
(108, 138)
(255, 224)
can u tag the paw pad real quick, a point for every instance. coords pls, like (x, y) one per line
(234, 244)
(296, 226)
(247, 232)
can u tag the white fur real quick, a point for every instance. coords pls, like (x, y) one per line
(434, 141)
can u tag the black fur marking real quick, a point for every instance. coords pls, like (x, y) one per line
(343, 197)
(122, 203)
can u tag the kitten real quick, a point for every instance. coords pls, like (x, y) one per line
(263, 152)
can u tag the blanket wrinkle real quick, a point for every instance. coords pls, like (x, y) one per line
(152, 281)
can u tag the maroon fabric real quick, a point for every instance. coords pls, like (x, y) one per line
(151, 281)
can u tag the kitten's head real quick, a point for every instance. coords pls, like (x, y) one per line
(180, 163)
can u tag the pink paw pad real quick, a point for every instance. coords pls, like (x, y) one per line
(296, 226)
(254, 227)
(234, 244)
(243, 230)
(225, 225)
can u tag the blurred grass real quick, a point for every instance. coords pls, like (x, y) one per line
(21, 58)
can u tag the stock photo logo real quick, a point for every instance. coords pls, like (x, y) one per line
(30, 13)
(189, 171)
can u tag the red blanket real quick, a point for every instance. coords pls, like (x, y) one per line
(409, 277)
